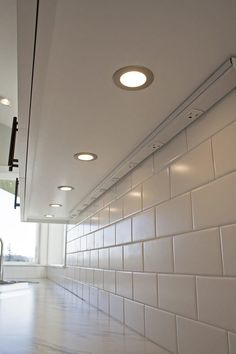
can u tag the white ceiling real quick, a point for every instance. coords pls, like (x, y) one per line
(75, 105)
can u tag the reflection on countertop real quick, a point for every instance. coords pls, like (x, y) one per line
(47, 319)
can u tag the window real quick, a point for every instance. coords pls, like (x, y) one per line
(19, 238)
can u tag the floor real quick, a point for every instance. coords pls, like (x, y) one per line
(46, 319)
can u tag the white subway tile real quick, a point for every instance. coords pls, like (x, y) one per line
(215, 119)
(104, 258)
(81, 229)
(80, 258)
(109, 236)
(144, 225)
(87, 259)
(90, 241)
(117, 307)
(89, 276)
(109, 195)
(98, 239)
(156, 189)
(83, 243)
(216, 301)
(77, 274)
(104, 217)
(78, 246)
(192, 170)
(94, 222)
(145, 288)
(94, 259)
(116, 258)
(142, 171)
(110, 281)
(124, 185)
(132, 201)
(167, 154)
(215, 203)
(176, 293)
(133, 257)
(224, 147)
(93, 296)
(124, 284)
(228, 239)
(174, 216)
(116, 210)
(83, 275)
(232, 343)
(134, 315)
(87, 226)
(158, 255)
(198, 253)
(160, 327)
(198, 338)
(98, 278)
(103, 301)
(123, 231)
(98, 204)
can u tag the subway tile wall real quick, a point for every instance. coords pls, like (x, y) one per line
(158, 251)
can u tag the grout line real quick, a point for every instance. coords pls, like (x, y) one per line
(142, 250)
(157, 287)
(176, 336)
(221, 251)
(155, 221)
(196, 297)
(132, 282)
(207, 275)
(173, 255)
(144, 322)
(191, 211)
(227, 339)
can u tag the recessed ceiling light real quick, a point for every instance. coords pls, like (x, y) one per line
(133, 78)
(55, 205)
(49, 216)
(5, 101)
(85, 156)
(65, 188)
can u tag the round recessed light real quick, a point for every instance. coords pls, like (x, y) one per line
(65, 188)
(49, 216)
(55, 205)
(133, 78)
(85, 156)
(5, 101)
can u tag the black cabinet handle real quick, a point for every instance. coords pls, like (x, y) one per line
(12, 162)
(16, 194)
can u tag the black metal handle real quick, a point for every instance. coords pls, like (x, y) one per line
(16, 194)
(12, 162)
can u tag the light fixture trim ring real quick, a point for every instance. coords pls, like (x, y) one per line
(55, 205)
(126, 69)
(65, 188)
(79, 154)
